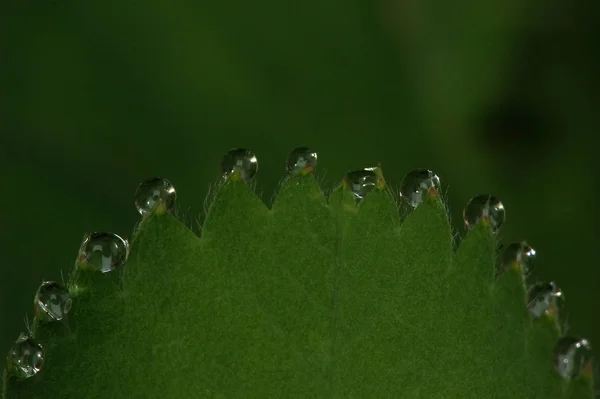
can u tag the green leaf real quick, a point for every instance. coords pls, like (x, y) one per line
(312, 298)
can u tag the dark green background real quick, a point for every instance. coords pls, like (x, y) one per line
(96, 96)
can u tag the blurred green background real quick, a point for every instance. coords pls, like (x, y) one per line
(497, 97)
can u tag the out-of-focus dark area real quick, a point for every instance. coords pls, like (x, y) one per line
(496, 97)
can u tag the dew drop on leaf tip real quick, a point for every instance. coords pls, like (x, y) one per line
(417, 184)
(485, 208)
(518, 255)
(239, 163)
(301, 161)
(572, 357)
(155, 194)
(545, 299)
(26, 357)
(52, 302)
(103, 252)
(363, 181)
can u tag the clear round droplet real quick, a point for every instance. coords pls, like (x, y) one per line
(301, 161)
(572, 357)
(25, 358)
(486, 207)
(242, 161)
(363, 181)
(104, 252)
(417, 184)
(518, 255)
(153, 193)
(545, 299)
(52, 301)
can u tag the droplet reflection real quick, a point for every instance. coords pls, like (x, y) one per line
(239, 162)
(545, 299)
(487, 208)
(301, 161)
(155, 194)
(103, 252)
(363, 181)
(518, 255)
(52, 301)
(26, 357)
(572, 357)
(417, 184)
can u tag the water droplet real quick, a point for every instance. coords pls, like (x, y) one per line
(572, 357)
(239, 163)
(518, 255)
(363, 181)
(103, 251)
(545, 299)
(417, 184)
(153, 194)
(301, 161)
(25, 358)
(52, 301)
(487, 208)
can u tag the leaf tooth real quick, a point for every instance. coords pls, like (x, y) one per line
(298, 191)
(232, 196)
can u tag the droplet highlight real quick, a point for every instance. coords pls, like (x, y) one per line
(301, 161)
(103, 252)
(487, 208)
(518, 255)
(26, 358)
(155, 195)
(363, 181)
(52, 301)
(572, 357)
(545, 299)
(417, 184)
(239, 163)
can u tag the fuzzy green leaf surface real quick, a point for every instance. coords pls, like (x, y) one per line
(314, 298)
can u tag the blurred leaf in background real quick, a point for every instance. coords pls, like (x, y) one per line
(496, 97)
